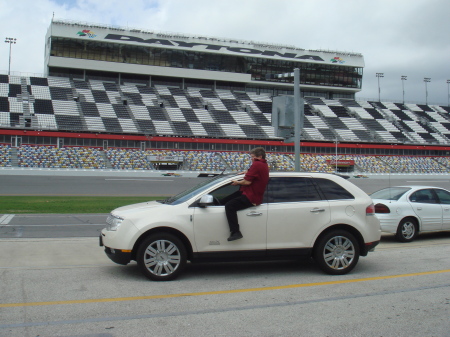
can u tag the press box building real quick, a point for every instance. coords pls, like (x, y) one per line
(110, 53)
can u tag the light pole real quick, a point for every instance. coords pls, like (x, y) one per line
(448, 92)
(426, 80)
(379, 90)
(403, 87)
(336, 157)
(11, 41)
(292, 118)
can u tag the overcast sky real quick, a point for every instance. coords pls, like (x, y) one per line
(396, 37)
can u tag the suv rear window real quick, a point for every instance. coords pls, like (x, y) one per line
(291, 189)
(332, 190)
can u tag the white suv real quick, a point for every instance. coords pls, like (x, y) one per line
(315, 215)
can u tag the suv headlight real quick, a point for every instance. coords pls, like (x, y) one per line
(113, 222)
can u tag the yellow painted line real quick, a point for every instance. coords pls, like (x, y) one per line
(219, 292)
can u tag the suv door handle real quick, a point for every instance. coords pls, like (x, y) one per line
(254, 214)
(317, 210)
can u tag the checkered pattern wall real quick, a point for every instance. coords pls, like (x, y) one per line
(63, 104)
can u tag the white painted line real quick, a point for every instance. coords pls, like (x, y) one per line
(428, 181)
(58, 225)
(140, 179)
(6, 219)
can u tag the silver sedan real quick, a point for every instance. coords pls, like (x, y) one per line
(407, 210)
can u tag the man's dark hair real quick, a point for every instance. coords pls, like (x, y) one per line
(259, 152)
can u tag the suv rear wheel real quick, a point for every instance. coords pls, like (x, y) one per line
(161, 257)
(337, 252)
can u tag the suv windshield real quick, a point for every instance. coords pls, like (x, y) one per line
(390, 193)
(189, 193)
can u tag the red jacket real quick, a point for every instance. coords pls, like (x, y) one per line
(258, 174)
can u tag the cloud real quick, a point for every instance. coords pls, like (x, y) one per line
(401, 37)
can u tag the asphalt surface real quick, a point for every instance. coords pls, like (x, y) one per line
(68, 287)
(55, 280)
(156, 184)
(131, 184)
(94, 186)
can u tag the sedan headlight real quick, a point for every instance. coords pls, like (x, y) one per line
(113, 222)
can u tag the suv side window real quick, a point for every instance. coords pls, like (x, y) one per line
(332, 190)
(292, 189)
(225, 193)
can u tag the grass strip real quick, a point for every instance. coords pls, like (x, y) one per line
(65, 204)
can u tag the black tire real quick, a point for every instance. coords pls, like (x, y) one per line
(161, 257)
(407, 230)
(337, 252)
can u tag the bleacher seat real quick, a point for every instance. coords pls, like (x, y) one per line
(66, 157)
(5, 156)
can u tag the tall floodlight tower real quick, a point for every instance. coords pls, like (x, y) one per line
(403, 87)
(379, 90)
(448, 92)
(11, 41)
(426, 80)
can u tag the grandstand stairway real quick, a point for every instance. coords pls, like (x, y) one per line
(106, 160)
(14, 158)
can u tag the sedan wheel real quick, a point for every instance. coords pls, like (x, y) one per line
(407, 230)
(161, 257)
(337, 252)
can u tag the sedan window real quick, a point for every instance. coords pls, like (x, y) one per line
(444, 196)
(390, 193)
(292, 189)
(423, 196)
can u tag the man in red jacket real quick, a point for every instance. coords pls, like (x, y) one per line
(252, 190)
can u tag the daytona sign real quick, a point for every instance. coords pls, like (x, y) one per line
(214, 47)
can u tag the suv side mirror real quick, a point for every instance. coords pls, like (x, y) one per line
(206, 200)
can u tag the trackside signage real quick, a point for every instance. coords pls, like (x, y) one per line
(166, 158)
(341, 162)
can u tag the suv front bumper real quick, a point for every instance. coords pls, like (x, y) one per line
(116, 255)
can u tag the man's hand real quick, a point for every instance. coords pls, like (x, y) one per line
(240, 182)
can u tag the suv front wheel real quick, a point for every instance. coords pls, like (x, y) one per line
(161, 257)
(337, 252)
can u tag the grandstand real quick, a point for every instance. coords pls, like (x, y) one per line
(111, 107)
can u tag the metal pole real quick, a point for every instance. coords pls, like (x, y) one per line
(298, 115)
(10, 40)
(9, 64)
(403, 87)
(336, 157)
(379, 89)
(448, 92)
(426, 80)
